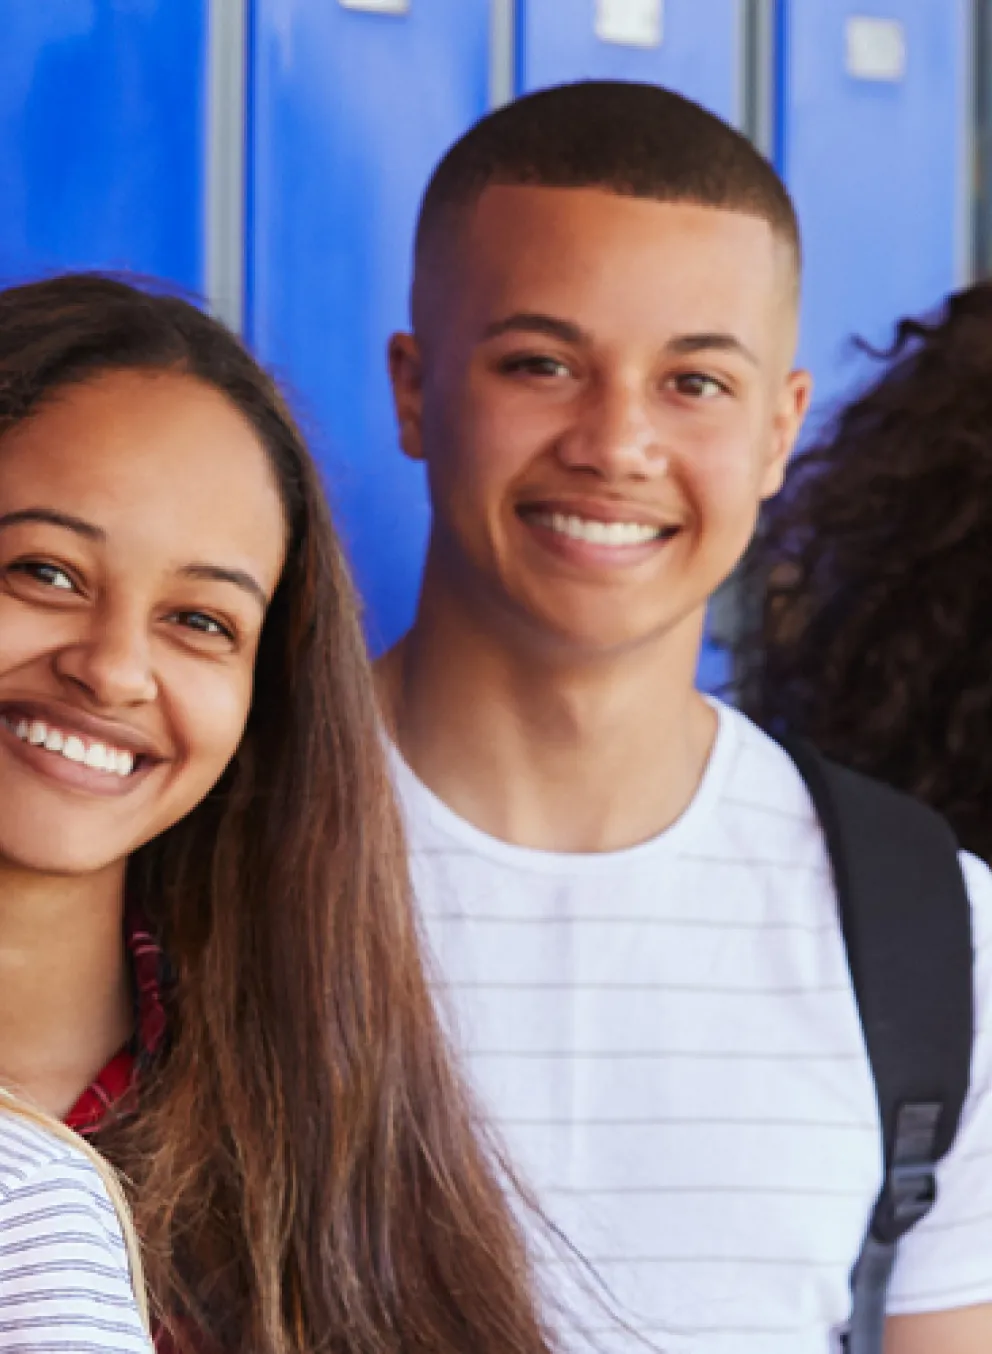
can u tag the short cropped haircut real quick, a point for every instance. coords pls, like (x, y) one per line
(636, 140)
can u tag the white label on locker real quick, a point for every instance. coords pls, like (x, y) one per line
(634, 23)
(378, 6)
(876, 49)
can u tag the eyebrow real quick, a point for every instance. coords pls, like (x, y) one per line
(219, 573)
(532, 322)
(686, 344)
(50, 517)
(211, 573)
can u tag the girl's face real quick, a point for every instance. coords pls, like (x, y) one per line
(141, 539)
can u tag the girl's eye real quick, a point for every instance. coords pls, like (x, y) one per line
(699, 386)
(202, 624)
(48, 574)
(535, 365)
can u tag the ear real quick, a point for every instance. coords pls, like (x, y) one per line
(406, 376)
(791, 408)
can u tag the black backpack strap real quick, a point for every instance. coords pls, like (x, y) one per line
(906, 919)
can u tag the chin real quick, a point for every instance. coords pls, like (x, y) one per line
(66, 852)
(584, 642)
(64, 863)
(599, 631)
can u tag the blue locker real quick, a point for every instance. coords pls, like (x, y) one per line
(699, 53)
(348, 112)
(102, 137)
(874, 145)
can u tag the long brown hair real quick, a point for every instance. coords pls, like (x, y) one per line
(308, 1171)
(874, 567)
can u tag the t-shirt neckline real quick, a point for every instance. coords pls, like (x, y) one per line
(420, 801)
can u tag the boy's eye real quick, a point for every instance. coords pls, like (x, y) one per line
(699, 386)
(535, 364)
(51, 575)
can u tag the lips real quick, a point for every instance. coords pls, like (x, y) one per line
(61, 742)
(77, 746)
(614, 526)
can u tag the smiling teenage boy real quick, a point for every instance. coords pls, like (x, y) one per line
(625, 883)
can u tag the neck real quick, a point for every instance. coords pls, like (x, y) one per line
(579, 755)
(65, 1001)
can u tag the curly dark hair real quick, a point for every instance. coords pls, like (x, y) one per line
(872, 574)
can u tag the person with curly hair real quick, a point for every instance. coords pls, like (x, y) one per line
(873, 637)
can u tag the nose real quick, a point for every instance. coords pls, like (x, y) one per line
(615, 434)
(111, 662)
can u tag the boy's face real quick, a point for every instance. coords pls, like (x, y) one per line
(601, 388)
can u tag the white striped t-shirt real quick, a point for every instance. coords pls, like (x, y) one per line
(668, 1041)
(64, 1281)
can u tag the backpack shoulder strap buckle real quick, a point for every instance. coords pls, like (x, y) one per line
(910, 1183)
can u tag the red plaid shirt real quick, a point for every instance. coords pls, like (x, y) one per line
(116, 1085)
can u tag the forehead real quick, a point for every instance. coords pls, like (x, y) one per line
(159, 461)
(629, 261)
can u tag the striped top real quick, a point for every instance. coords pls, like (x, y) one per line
(668, 1041)
(64, 1280)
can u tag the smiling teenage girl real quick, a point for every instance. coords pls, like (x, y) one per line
(190, 766)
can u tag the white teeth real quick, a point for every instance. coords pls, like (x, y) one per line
(74, 749)
(97, 756)
(599, 533)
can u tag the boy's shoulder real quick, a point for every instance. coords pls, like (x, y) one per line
(978, 882)
(763, 780)
(758, 780)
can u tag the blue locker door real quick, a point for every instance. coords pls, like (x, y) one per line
(875, 144)
(699, 52)
(349, 111)
(103, 137)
